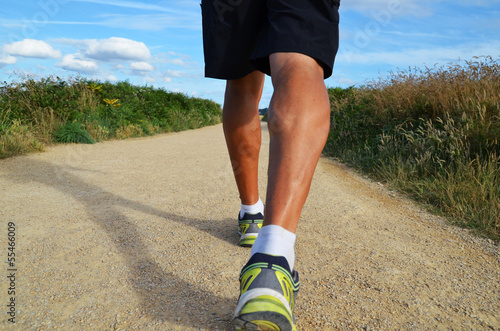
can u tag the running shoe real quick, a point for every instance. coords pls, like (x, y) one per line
(267, 295)
(248, 228)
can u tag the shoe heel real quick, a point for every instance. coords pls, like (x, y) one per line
(247, 241)
(264, 313)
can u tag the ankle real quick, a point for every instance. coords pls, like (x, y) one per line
(277, 241)
(255, 208)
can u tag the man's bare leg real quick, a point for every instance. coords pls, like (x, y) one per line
(299, 122)
(243, 132)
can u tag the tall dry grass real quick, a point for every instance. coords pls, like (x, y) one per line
(467, 94)
(433, 133)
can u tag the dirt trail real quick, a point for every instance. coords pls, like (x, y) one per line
(141, 234)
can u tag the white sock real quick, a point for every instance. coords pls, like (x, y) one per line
(252, 209)
(277, 241)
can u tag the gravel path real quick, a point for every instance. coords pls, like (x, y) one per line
(141, 234)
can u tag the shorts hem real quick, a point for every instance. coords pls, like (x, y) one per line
(228, 74)
(324, 58)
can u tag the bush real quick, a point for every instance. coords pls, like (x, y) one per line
(17, 139)
(53, 110)
(73, 133)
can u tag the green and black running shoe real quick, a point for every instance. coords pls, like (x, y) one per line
(248, 228)
(267, 295)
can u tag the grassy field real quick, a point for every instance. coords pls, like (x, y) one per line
(432, 133)
(38, 112)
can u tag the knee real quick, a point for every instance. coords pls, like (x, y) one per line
(286, 67)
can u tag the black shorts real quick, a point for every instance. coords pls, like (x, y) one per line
(239, 35)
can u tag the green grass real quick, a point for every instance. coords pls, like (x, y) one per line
(433, 134)
(37, 112)
(73, 133)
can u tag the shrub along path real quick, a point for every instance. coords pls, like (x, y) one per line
(141, 234)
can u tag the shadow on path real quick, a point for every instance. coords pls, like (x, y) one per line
(159, 290)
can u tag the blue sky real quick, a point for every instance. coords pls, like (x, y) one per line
(158, 43)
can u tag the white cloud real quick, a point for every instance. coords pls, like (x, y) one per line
(117, 49)
(176, 59)
(141, 66)
(32, 48)
(7, 59)
(178, 62)
(72, 62)
(169, 75)
(189, 75)
(175, 73)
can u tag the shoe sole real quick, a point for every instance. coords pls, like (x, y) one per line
(263, 310)
(247, 240)
(255, 325)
